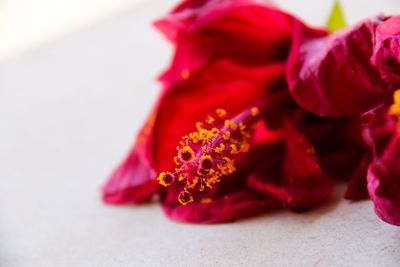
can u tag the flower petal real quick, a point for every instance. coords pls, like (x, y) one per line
(357, 187)
(384, 183)
(299, 181)
(218, 85)
(386, 56)
(132, 182)
(244, 31)
(228, 208)
(332, 75)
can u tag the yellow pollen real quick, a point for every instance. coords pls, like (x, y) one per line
(185, 197)
(194, 137)
(199, 126)
(206, 135)
(210, 120)
(395, 107)
(244, 147)
(234, 149)
(226, 135)
(185, 74)
(220, 148)
(255, 111)
(205, 158)
(187, 151)
(208, 153)
(181, 177)
(220, 113)
(193, 183)
(231, 124)
(206, 200)
(177, 160)
(228, 167)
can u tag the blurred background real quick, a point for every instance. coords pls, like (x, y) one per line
(25, 24)
(77, 79)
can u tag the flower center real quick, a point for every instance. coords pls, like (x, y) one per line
(209, 153)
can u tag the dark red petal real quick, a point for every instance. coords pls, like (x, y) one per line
(228, 208)
(337, 141)
(132, 182)
(357, 187)
(333, 76)
(379, 128)
(299, 182)
(384, 183)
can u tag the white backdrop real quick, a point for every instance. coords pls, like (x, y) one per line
(27, 24)
(68, 114)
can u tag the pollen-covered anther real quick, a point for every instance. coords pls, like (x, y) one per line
(231, 124)
(234, 149)
(192, 183)
(206, 162)
(166, 178)
(227, 167)
(208, 154)
(210, 120)
(177, 160)
(219, 149)
(186, 153)
(185, 197)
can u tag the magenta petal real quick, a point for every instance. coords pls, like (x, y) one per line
(386, 55)
(132, 182)
(333, 76)
(384, 183)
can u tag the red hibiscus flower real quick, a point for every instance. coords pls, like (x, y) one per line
(349, 73)
(227, 138)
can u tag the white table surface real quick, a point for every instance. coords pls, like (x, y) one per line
(68, 114)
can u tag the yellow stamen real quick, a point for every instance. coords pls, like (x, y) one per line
(234, 149)
(208, 153)
(226, 135)
(185, 197)
(210, 120)
(187, 153)
(229, 123)
(220, 148)
(165, 178)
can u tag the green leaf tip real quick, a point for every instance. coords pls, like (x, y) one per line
(336, 18)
